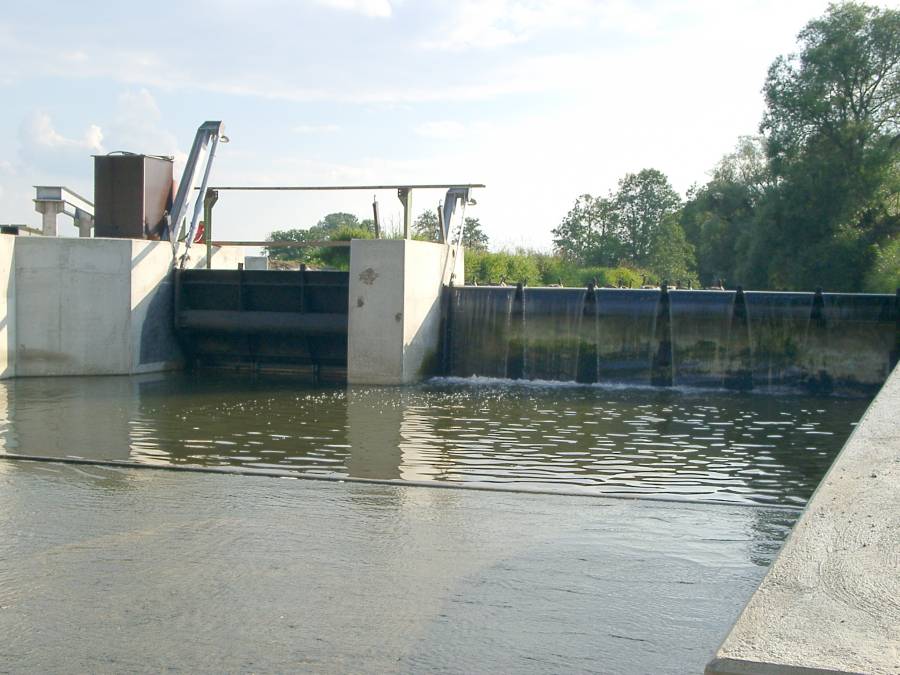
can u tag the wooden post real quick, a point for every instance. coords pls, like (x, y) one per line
(375, 214)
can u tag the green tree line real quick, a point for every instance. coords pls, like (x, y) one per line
(813, 200)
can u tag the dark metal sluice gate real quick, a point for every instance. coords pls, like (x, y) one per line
(264, 320)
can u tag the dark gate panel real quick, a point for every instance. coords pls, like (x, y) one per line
(270, 320)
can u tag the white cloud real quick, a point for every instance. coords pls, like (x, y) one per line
(38, 132)
(444, 129)
(373, 8)
(42, 146)
(496, 23)
(316, 129)
(137, 127)
(75, 56)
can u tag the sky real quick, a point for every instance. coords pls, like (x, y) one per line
(541, 100)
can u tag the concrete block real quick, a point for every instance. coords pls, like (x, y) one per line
(91, 306)
(256, 262)
(829, 603)
(394, 322)
(72, 306)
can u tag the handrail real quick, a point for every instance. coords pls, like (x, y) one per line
(346, 187)
(456, 192)
(51, 200)
(285, 244)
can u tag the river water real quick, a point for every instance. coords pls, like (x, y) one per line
(690, 444)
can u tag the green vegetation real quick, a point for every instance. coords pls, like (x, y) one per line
(637, 227)
(333, 227)
(542, 269)
(427, 228)
(814, 200)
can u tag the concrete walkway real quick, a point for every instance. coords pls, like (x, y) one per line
(123, 570)
(831, 602)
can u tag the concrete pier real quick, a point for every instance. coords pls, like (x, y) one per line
(831, 601)
(395, 308)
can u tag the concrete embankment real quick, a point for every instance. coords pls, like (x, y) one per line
(831, 601)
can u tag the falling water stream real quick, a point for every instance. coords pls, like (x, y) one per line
(820, 343)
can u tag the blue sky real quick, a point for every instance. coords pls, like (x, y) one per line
(542, 100)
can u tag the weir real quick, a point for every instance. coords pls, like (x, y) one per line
(821, 342)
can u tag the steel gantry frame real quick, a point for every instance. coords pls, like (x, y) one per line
(458, 194)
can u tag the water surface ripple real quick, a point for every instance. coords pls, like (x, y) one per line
(684, 443)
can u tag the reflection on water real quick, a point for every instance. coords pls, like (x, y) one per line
(683, 443)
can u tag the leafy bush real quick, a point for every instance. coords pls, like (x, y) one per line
(884, 277)
(487, 268)
(542, 269)
(340, 257)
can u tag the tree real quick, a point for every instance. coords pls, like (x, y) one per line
(337, 221)
(746, 165)
(832, 127)
(425, 227)
(671, 256)
(299, 254)
(842, 88)
(589, 233)
(884, 277)
(473, 238)
(719, 218)
(339, 257)
(334, 226)
(643, 201)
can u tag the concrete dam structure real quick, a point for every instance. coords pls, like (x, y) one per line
(821, 342)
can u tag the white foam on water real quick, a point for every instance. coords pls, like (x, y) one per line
(482, 381)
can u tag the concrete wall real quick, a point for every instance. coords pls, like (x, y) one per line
(830, 603)
(395, 309)
(153, 345)
(7, 306)
(89, 306)
(72, 306)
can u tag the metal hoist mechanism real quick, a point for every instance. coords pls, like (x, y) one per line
(452, 232)
(203, 152)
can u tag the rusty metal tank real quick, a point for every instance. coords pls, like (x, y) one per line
(132, 194)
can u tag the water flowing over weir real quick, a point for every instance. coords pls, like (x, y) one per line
(820, 342)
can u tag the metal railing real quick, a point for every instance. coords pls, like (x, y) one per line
(456, 193)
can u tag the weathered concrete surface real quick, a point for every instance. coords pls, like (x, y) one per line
(7, 306)
(831, 601)
(395, 309)
(153, 346)
(89, 306)
(115, 570)
(72, 300)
